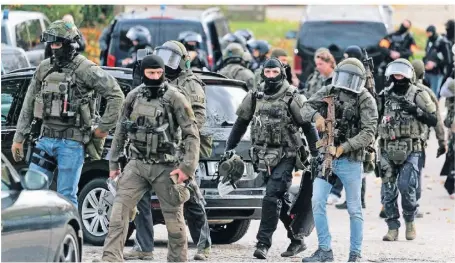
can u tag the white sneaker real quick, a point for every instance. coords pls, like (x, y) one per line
(333, 199)
(452, 196)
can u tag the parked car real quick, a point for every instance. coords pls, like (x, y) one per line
(229, 217)
(37, 225)
(13, 58)
(211, 24)
(23, 29)
(337, 27)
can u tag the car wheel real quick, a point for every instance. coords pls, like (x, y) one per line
(229, 233)
(68, 250)
(95, 205)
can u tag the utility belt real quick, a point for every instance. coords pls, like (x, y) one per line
(70, 133)
(399, 150)
(265, 159)
(137, 151)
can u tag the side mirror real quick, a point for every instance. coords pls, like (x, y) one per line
(291, 34)
(34, 180)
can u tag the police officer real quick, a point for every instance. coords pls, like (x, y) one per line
(450, 31)
(61, 94)
(350, 52)
(141, 38)
(322, 76)
(224, 42)
(282, 56)
(260, 50)
(356, 119)
(234, 67)
(399, 44)
(438, 59)
(406, 112)
(192, 42)
(151, 116)
(276, 142)
(178, 72)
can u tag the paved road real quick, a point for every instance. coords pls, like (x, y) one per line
(435, 232)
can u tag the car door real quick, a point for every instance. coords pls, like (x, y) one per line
(13, 94)
(25, 226)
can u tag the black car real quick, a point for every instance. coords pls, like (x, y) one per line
(37, 225)
(229, 217)
(336, 28)
(211, 24)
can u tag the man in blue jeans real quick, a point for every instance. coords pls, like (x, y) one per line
(356, 118)
(61, 94)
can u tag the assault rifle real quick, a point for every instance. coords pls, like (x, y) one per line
(328, 139)
(369, 68)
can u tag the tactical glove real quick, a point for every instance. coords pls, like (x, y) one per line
(441, 150)
(408, 107)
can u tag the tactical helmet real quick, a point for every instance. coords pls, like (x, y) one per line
(231, 38)
(60, 31)
(400, 66)
(247, 58)
(349, 75)
(174, 55)
(278, 52)
(354, 52)
(232, 169)
(186, 37)
(261, 45)
(419, 69)
(233, 50)
(245, 33)
(140, 34)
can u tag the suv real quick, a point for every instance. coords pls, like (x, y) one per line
(229, 216)
(211, 24)
(23, 29)
(336, 28)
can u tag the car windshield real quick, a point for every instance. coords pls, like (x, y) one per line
(4, 39)
(161, 31)
(14, 60)
(222, 103)
(342, 34)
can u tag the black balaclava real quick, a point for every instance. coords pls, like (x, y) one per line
(354, 52)
(272, 84)
(434, 35)
(450, 29)
(62, 56)
(401, 86)
(153, 85)
(403, 29)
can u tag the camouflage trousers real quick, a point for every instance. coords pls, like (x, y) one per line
(137, 179)
(403, 178)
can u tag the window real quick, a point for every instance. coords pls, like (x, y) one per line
(14, 59)
(22, 36)
(10, 89)
(4, 38)
(35, 31)
(222, 103)
(161, 31)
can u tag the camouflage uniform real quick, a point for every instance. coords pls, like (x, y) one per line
(151, 161)
(62, 95)
(355, 126)
(233, 59)
(402, 132)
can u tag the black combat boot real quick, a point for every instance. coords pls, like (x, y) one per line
(320, 256)
(294, 248)
(261, 251)
(354, 257)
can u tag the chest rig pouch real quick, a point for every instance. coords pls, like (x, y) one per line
(274, 134)
(67, 110)
(150, 131)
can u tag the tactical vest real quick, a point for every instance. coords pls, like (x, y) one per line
(450, 117)
(66, 109)
(274, 133)
(400, 132)
(314, 83)
(347, 119)
(151, 129)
